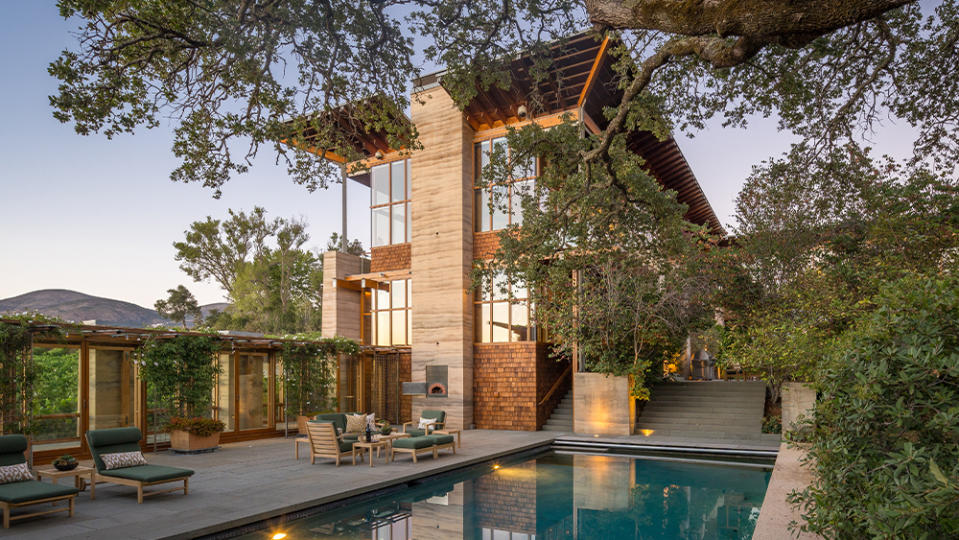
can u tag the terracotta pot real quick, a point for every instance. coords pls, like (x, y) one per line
(185, 441)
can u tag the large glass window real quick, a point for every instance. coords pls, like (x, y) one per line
(112, 388)
(390, 203)
(499, 205)
(387, 315)
(56, 403)
(253, 387)
(502, 312)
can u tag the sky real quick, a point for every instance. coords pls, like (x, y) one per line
(100, 216)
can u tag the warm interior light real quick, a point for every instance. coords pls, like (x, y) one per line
(278, 536)
(496, 467)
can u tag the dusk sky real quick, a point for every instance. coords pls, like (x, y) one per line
(99, 216)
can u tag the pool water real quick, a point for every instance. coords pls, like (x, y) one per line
(553, 496)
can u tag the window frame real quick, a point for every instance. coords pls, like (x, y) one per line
(370, 309)
(481, 194)
(390, 204)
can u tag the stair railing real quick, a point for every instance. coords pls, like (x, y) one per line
(556, 385)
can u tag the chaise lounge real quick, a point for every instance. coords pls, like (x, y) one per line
(104, 442)
(422, 444)
(17, 493)
(325, 444)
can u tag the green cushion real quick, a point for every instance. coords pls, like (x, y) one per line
(413, 442)
(148, 473)
(353, 437)
(440, 416)
(416, 432)
(31, 490)
(346, 446)
(338, 419)
(109, 441)
(12, 448)
(441, 439)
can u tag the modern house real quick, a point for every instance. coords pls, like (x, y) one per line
(412, 302)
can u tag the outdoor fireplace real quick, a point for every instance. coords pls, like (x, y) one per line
(436, 389)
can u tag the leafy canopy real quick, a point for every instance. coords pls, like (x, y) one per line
(179, 305)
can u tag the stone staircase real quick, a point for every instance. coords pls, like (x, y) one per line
(697, 410)
(562, 417)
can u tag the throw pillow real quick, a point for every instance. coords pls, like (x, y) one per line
(355, 423)
(371, 421)
(427, 423)
(15, 473)
(120, 460)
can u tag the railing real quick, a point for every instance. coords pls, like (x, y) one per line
(557, 384)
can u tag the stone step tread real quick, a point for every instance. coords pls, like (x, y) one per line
(750, 393)
(701, 418)
(700, 431)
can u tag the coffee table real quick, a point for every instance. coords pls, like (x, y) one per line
(382, 441)
(77, 474)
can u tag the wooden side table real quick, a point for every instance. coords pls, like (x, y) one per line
(77, 474)
(451, 431)
(369, 446)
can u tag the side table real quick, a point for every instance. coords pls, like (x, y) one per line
(77, 474)
(450, 431)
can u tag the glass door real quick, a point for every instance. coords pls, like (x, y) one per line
(253, 390)
(112, 388)
(56, 398)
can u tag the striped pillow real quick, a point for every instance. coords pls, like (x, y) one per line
(15, 473)
(120, 460)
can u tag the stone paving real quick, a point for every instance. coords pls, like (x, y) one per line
(246, 482)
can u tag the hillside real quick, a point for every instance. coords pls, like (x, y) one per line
(79, 307)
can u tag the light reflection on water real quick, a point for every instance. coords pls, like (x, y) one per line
(555, 496)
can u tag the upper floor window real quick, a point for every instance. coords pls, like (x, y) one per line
(390, 203)
(502, 311)
(387, 314)
(506, 208)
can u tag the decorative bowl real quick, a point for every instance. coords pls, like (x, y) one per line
(65, 466)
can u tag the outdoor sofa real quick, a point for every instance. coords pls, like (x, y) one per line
(127, 439)
(422, 444)
(28, 492)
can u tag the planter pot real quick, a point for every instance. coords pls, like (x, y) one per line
(301, 421)
(65, 466)
(798, 400)
(184, 441)
(602, 405)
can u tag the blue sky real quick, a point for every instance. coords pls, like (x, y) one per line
(99, 216)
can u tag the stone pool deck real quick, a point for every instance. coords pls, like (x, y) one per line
(247, 482)
(776, 514)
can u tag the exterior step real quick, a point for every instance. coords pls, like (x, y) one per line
(562, 417)
(719, 410)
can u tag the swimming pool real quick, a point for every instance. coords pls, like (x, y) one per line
(552, 496)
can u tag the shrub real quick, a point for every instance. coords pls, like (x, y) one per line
(885, 440)
(201, 427)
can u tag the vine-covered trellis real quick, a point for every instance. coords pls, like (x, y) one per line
(18, 374)
(309, 371)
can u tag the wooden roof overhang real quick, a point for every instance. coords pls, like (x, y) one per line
(582, 79)
(347, 125)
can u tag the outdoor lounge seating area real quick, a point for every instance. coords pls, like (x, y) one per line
(19, 491)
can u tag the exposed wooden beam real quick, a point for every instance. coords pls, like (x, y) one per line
(592, 72)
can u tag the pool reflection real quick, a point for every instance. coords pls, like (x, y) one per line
(557, 497)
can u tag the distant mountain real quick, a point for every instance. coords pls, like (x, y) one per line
(78, 307)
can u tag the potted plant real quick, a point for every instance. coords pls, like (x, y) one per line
(65, 462)
(182, 372)
(385, 426)
(194, 434)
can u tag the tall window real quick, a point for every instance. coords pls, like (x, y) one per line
(387, 316)
(505, 194)
(390, 203)
(497, 317)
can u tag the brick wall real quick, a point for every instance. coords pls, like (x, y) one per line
(504, 386)
(485, 244)
(506, 500)
(386, 258)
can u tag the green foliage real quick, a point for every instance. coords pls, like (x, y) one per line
(885, 441)
(17, 376)
(772, 424)
(201, 427)
(353, 247)
(181, 370)
(309, 370)
(179, 305)
(609, 261)
(812, 252)
(273, 281)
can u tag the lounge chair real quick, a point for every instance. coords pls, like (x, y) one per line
(439, 416)
(325, 444)
(28, 492)
(422, 444)
(127, 439)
